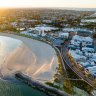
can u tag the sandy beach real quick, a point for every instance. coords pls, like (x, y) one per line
(34, 58)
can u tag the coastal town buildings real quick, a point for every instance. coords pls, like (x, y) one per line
(82, 50)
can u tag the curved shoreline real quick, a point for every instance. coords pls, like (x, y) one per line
(46, 58)
(42, 87)
(45, 86)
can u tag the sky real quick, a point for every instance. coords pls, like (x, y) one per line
(48, 3)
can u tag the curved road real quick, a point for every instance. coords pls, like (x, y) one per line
(64, 51)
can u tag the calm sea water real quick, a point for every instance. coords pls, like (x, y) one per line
(17, 89)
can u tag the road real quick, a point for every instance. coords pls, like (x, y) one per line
(80, 74)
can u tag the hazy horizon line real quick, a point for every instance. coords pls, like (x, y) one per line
(47, 7)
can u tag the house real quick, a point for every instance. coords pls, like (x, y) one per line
(92, 70)
(85, 40)
(89, 50)
(64, 35)
(46, 28)
(77, 55)
(39, 31)
(84, 33)
(47, 21)
(20, 29)
(73, 47)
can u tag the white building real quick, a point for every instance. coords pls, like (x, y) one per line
(43, 29)
(47, 21)
(46, 28)
(88, 20)
(20, 29)
(64, 35)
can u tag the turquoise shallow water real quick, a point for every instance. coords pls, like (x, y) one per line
(17, 89)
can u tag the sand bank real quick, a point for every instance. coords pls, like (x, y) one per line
(34, 58)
